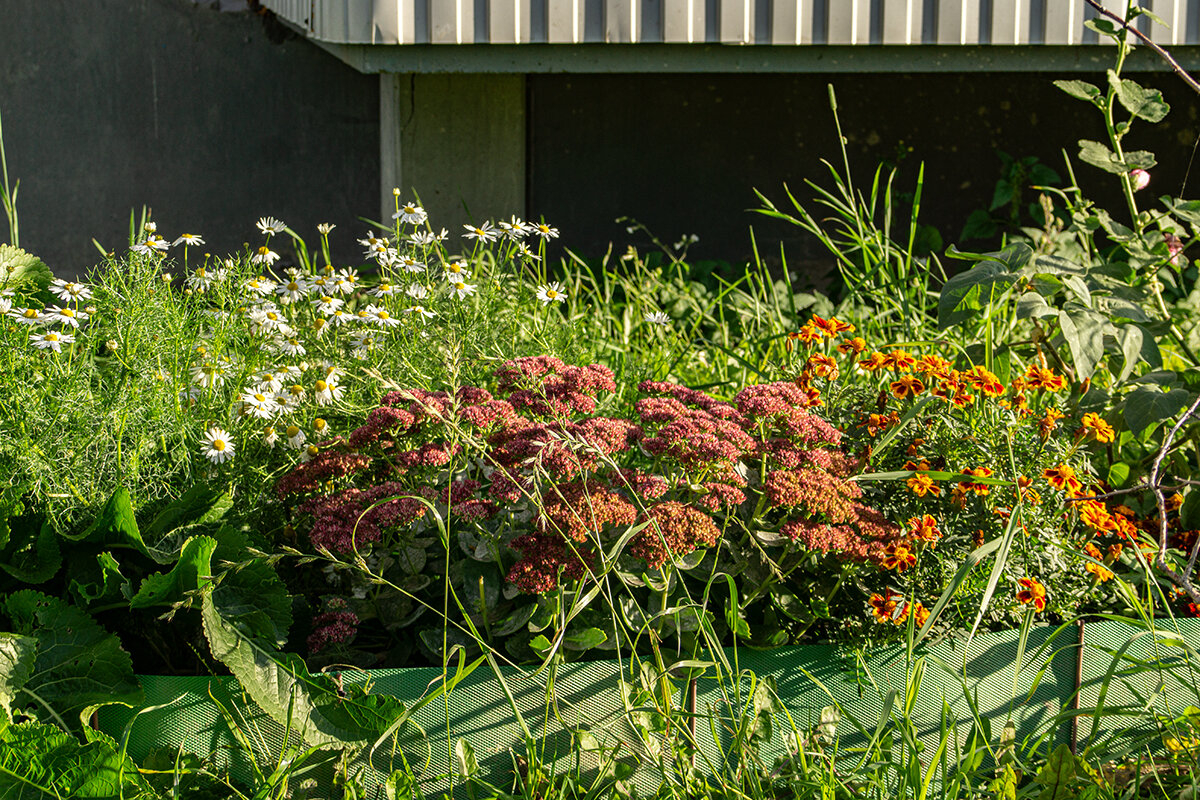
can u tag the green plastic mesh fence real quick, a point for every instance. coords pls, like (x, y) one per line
(1146, 673)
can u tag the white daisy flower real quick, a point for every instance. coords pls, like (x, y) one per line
(545, 231)
(28, 316)
(321, 284)
(371, 240)
(152, 245)
(65, 316)
(514, 228)
(320, 427)
(69, 291)
(524, 252)
(380, 252)
(483, 233)
(201, 280)
(50, 340)
(384, 289)
(270, 436)
(420, 311)
(295, 394)
(295, 436)
(293, 290)
(360, 342)
(267, 381)
(346, 281)
(260, 285)
(457, 271)
(549, 294)
(462, 290)
(5, 304)
(411, 214)
(309, 453)
(326, 304)
(381, 317)
(409, 264)
(319, 327)
(326, 391)
(417, 292)
(266, 320)
(325, 227)
(208, 375)
(258, 403)
(292, 347)
(658, 318)
(264, 255)
(339, 317)
(362, 315)
(218, 446)
(270, 225)
(188, 240)
(331, 371)
(150, 227)
(422, 238)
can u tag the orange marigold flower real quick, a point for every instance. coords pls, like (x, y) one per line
(809, 333)
(1093, 551)
(822, 366)
(1062, 477)
(916, 465)
(933, 365)
(1125, 528)
(980, 489)
(873, 362)
(1174, 502)
(922, 485)
(1032, 593)
(900, 361)
(1049, 422)
(924, 529)
(1114, 551)
(898, 556)
(881, 422)
(963, 398)
(1096, 516)
(855, 345)
(907, 385)
(1044, 378)
(1095, 425)
(984, 380)
(832, 327)
(1102, 573)
(920, 614)
(884, 606)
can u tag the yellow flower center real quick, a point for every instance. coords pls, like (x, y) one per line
(321, 386)
(551, 294)
(293, 287)
(51, 337)
(313, 450)
(262, 251)
(30, 314)
(260, 398)
(384, 315)
(67, 312)
(218, 444)
(296, 389)
(319, 424)
(200, 272)
(292, 431)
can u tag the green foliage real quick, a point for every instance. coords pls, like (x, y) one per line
(39, 760)
(22, 270)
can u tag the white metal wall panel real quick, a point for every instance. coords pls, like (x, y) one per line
(778, 22)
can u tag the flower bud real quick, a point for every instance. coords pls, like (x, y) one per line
(1140, 179)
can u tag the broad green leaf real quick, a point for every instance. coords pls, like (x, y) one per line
(43, 761)
(115, 525)
(585, 639)
(1139, 101)
(1057, 775)
(1083, 332)
(281, 685)
(1147, 406)
(253, 597)
(1032, 305)
(514, 621)
(968, 293)
(464, 754)
(18, 267)
(97, 580)
(1051, 265)
(32, 554)
(1189, 513)
(1131, 339)
(1118, 473)
(201, 504)
(78, 663)
(17, 656)
(1102, 26)
(1082, 90)
(1098, 155)
(192, 571)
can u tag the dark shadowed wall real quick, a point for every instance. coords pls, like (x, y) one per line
(110, 105)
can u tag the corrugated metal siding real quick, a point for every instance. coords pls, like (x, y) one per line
(791, 22)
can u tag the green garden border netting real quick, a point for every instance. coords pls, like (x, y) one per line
(1118, 669)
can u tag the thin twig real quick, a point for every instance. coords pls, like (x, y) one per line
(1184, 581)
(1179, 70)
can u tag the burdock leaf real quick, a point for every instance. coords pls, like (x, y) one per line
(17, 656)
(39, 760)
(281, 686)
(32, 554)
(192, 571)
(78, 664)
(18, 267)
